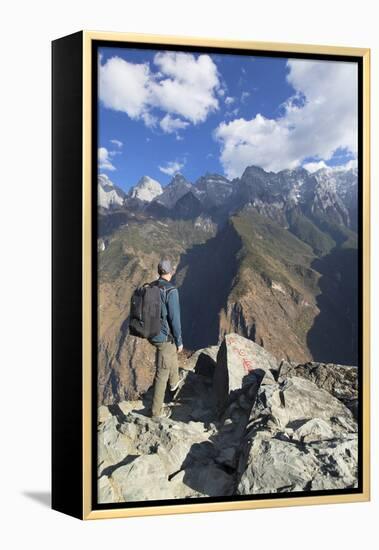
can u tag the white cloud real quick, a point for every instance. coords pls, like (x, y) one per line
(314, 166)
(170, 124)
(124, 86)
(229, 100)
(258, 141)
(188, 89)
(117, 142)
(104, 161)
(184, 85)
(171, 168)
(319, 118)
(352, 163)
(149, 119)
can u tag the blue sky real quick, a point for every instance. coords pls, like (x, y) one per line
(162, 112)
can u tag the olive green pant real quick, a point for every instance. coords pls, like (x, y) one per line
(167, 371)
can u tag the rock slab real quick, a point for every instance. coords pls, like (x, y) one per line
(238, 358)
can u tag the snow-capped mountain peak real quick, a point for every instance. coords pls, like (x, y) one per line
(146, 189)
(109, 195)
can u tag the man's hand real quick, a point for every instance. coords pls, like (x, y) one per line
(180, 348)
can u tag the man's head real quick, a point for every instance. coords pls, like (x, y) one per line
(165, 269)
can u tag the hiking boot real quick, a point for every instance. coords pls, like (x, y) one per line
(178, 384)
(165, 413)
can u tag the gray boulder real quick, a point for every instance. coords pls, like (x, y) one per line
(339, 380)
(301, 399)
(299, 438)
(315, 429)
(277, 465)
(239, 359)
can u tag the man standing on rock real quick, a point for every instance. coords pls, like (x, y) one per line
(168, 342)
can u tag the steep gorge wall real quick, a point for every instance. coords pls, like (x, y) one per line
(274, 298)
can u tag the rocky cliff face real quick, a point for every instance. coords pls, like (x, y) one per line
(174, 191)
(243, 423)
(344, 184)
(128, 260)
(215, 190)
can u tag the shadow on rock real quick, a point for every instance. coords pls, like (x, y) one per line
(210, 467)
(110, 469)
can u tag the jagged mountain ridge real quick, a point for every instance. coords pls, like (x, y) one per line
(274, 194)
(326, 192)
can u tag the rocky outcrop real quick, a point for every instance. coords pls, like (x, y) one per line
(237, 358)
(281, 428)
(299, 438)
(340, 380)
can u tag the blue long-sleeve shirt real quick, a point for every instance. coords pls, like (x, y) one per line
(170, 315)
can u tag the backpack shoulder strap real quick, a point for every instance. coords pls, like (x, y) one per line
(166, 290)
